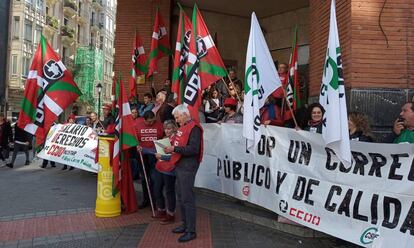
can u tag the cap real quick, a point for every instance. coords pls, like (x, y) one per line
(230, 101)
(107, 106)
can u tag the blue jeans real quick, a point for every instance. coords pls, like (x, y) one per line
(168, 182)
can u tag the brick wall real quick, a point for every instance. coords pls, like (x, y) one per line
(140, 15)
(368, 62)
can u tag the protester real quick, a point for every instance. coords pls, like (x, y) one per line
(21, 143)
(148, 131)
(165, 179)
(162, 110)
(88, 121)
(270, 113)
(187, 152)
(167, 89)
(315, 118)
(359, 128)
(133, 154)
(109, 119)
(214, 106)
(147, 105)
(234, 80)
(6, 137)
(404, 125)
(96, 124)
(71, 119)
(230, 108)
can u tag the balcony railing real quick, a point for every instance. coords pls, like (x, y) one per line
(70, 4)
(67, 31)
(52, 22)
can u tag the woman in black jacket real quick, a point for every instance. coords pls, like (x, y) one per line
(359, 128)
(315, 117)
(6, 137)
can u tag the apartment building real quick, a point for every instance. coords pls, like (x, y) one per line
(67, 25)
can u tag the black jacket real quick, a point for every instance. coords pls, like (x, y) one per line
(190, 153)
(21, 135)
(6, 134)
(359, 136)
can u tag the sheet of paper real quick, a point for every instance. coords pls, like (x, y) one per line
(161, 144)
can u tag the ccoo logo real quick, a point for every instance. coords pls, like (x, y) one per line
(369, 235)
(246, 190)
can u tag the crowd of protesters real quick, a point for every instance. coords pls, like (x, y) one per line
(157, 116)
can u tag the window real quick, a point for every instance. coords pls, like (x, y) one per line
(16, 27)
(14, 65)
(47, 10)
(28, 30)
(38, 32)
(65, 21)
(29, 2)
(25, 68)
(39, 4)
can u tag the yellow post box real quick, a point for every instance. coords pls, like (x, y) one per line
(106, 204)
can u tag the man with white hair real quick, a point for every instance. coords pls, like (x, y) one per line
(187, 152)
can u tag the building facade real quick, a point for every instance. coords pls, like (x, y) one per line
(4, 43)
(68, 25)
(377, 40)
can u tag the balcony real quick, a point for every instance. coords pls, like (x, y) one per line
(94, 26)
(83, 16)
(97, 4)
(52, 26)
(52, 22)
(68, 35)
(69, 8)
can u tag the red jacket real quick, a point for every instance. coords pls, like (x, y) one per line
(277, 120)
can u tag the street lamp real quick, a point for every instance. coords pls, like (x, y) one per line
(99, 88)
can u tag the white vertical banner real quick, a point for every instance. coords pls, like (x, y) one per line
(332, 97)
(261, 80)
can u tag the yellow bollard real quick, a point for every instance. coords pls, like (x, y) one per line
(106, 204)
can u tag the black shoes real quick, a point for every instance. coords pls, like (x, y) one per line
(179, 229)
(71, 168)
(43, 166)
(187, 237)
(9, 165)
(144, 204)
(64, 167)
(27, 163)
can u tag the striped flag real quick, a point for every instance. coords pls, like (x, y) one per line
(49, 90)
(205, 65)
(139, 60)
(293, 86)
(182, 47)
(160, 44)
(125, 138)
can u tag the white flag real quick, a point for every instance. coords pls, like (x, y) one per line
(261, 80)
(332, 97)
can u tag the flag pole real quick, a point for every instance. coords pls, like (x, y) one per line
(146, 181)
(231, 81)
(290, 107)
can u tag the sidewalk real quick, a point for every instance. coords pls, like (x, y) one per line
(54, 208)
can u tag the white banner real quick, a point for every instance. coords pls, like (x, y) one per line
(72, 144)
(370, 203)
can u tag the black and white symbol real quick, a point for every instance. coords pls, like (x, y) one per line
(283, 206)
(52, 70)
(201, 47)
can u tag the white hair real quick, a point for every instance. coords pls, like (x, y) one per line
(181, 109)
